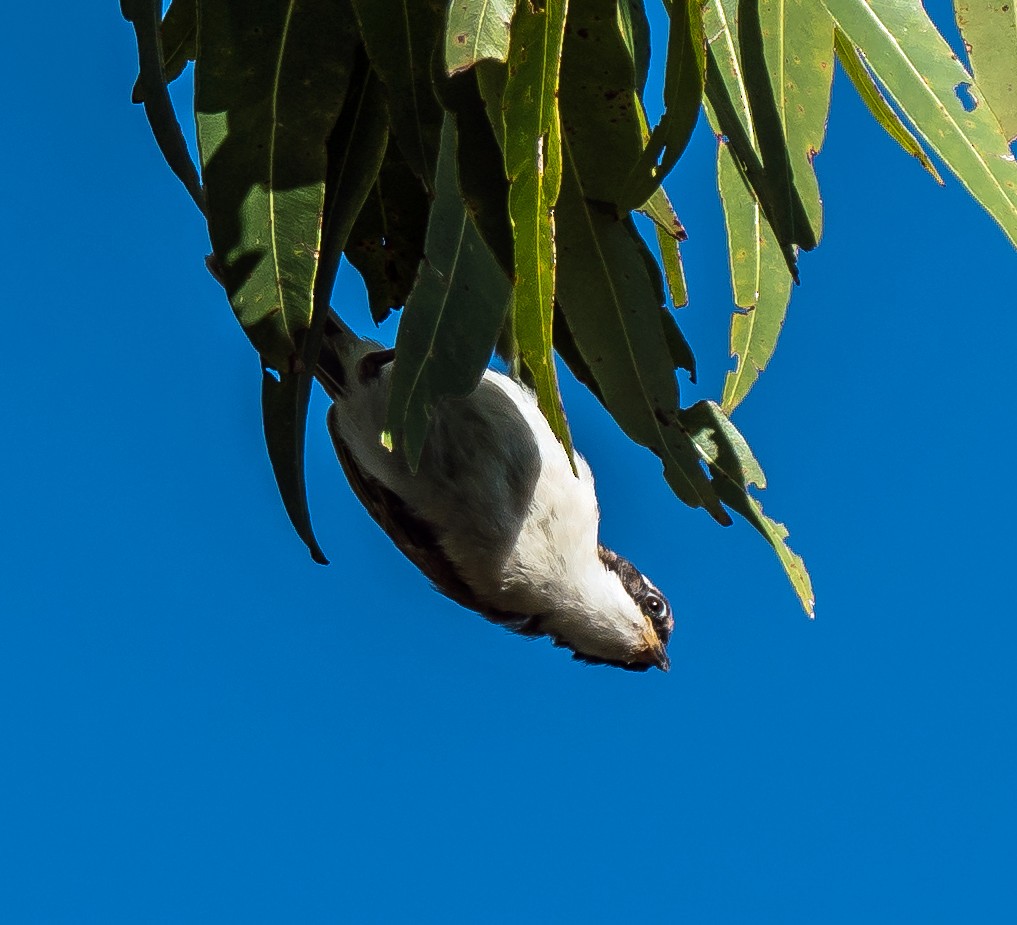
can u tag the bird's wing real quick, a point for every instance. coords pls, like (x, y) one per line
(416, 540)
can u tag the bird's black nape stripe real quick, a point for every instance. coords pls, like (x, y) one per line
(639, 589)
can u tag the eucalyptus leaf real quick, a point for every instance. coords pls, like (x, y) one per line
(917, 68)
(262, 132)
(144, 16)
(477, 30)
(179, 35)
(401, 37)
(453, 316)
(734, 470)
(284, 400)
(532, 149)
(989, 28)
(615, 318)
(684, 78)
(859, 75)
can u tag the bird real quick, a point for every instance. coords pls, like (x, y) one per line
(494, 514)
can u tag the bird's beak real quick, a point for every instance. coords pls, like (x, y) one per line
(654, 653)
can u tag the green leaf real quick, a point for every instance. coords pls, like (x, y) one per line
(532, 147)
(989, 28)
(616, 320)
(670, 233)
(143, 15)
(881, 110)
(179, 33)
(453, 315)
(270, 80)
(734, 469)
(917, 68)
(401, 36)
(765, 100)
(600, 110)
(477, 30)
(386, 244)
(635, 28)
(284, 415)
(798, 47)
(684, 78)
(754, 332)
(480, 164)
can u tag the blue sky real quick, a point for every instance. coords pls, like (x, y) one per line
(198, 724)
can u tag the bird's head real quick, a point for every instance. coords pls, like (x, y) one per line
(625, 619)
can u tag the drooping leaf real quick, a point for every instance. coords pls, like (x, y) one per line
(798, 48)
(477, 30)
(143, 15)
(684, 78)
(600, 110)
(453, 315)
(771, 132)
(669, 233)
(401, 37)
(386, 243)
(262, 131)
(754, 331)
(917, 68)
(989, 28)
(179, 34)
(532, 148)
(284, 400)
(615, 319)
(635, 28)
(734, 469)
(730, 113)
(881, 110)
(480, 163)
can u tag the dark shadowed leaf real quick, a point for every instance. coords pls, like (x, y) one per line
(734, 469)
(600, 110)
(532, 148)
(635, 28)
(179, 33)
(922, 74)
(480, 164)
(989, 28)
(453, 315)
(386, 244)
(859, 75)
(284, 414)
(477, 30)
(615, 318)
(683, 94)
(401, 37)
(143, 15)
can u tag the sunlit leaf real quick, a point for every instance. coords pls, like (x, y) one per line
(453, 315)
(754, 331)
(881, 110)
(262, 131)
(477, 30)
(143, 15)
(989, 28)
(179, 33)
(917, 68)
(532, 148)
(400, 36)
(798, 47)
(734, 470)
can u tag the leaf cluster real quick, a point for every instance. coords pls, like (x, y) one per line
(479, 163)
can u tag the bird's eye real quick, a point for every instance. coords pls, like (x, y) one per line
(653, 605)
